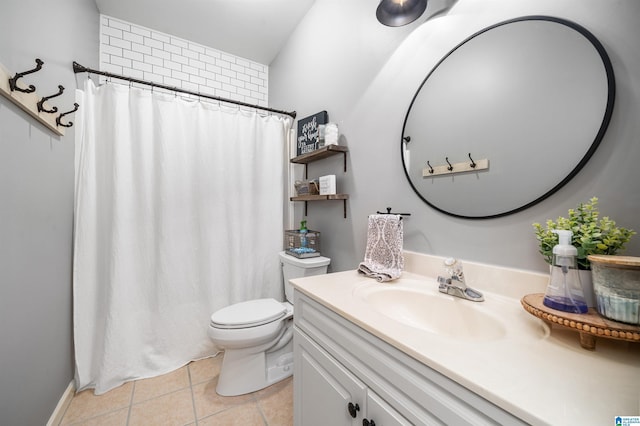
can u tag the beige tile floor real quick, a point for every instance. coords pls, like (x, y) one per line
(185, 397)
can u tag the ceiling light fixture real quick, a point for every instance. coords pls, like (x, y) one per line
(396, 13)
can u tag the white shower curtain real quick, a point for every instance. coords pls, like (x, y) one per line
(178, 212)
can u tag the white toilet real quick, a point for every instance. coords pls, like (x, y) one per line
(257, 335)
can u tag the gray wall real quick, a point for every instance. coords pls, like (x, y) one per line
(36, 207)
(365, 75)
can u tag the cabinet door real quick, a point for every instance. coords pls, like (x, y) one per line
(323, 389)
(381, 413)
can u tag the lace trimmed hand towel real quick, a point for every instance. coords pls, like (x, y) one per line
(383, 259)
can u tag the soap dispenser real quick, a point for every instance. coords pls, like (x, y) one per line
(564, 291)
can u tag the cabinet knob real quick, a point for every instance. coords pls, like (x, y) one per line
(353, 409)
(366, 422)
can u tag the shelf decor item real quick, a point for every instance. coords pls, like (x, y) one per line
(302, 243)
(592, 235)
(308, 138)
(306, 187)
(327, 185)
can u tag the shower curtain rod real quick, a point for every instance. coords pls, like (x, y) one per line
(77, 68)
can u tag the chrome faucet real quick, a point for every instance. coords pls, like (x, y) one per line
(455, 285)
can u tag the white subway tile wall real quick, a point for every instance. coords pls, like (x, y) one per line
(134, 51)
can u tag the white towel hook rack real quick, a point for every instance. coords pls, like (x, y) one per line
(454, 168)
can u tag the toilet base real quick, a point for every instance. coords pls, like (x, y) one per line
(245, 370)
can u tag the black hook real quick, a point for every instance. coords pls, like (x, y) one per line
(450, 168)
(60, 123)
(430, 168)
(473, 163)
(407, 139)
(46, 98)
(14, 80)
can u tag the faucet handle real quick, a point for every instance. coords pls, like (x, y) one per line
(449, 261)
(454, 268)
(452, 263)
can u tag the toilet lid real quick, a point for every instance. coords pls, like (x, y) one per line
(251, 313)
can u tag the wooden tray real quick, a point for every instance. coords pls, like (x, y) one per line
(589, 325)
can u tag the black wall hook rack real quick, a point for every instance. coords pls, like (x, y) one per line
(13, 81)
(30, 102)
(390, 212)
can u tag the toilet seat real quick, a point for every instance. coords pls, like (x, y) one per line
(252, 313)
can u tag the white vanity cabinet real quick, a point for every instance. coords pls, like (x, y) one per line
(337, 363)
(331, 394)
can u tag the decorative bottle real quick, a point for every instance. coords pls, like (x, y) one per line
(303, 234)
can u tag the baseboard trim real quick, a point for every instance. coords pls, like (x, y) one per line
(63, 404)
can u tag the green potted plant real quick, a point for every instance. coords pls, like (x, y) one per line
(592, 234)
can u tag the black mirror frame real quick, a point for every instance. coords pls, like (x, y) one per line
(599, 136)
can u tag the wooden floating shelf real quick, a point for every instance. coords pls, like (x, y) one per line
(589, 325)
(306, 198)
(463, 167)
(28, 102)
(320, 197)
(319, 154)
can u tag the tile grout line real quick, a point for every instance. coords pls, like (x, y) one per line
(193, 400)
(133, 389)
(264, 418)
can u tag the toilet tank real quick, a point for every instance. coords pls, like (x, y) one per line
(292, 267)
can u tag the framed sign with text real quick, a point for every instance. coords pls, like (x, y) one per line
(307, 140)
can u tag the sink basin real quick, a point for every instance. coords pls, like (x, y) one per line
(429, 310)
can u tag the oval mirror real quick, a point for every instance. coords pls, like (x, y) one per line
(508, 117)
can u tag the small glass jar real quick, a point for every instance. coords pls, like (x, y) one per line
(331, 134)
(321, 131)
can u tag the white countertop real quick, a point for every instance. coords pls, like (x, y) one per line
(542, 376)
